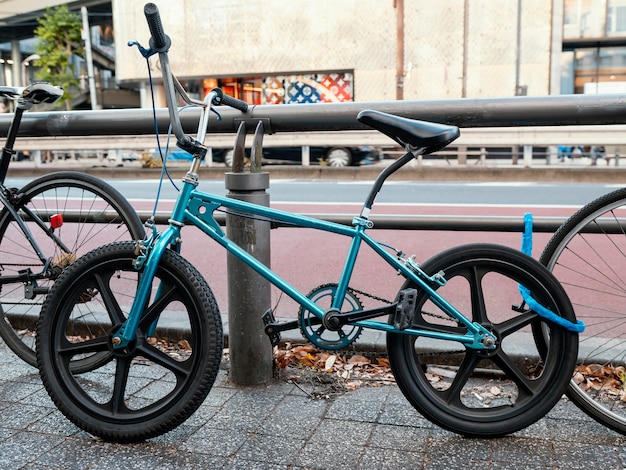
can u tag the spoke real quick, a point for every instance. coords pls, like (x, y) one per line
(479, 311)
(453, 393)
(514, 324)
(112, 306)
(524, 384)
(179, 368)
(89, 346)
(166, 294)
(119, 385)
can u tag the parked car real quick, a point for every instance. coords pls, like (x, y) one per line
(331, 156)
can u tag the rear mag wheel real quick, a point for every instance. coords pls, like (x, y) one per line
(486, 393)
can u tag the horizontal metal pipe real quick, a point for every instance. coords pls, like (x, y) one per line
(418, 222)
(400, 222)
(481, 112)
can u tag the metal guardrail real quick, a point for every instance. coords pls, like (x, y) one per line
(383, 221)
(533, 114)
(468, 113)
(470, 137)
(541, 224)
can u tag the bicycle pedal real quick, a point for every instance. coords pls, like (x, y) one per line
(405, 309)
(270, 327)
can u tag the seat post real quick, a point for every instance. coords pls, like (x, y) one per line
(7, 150)
(380, 179)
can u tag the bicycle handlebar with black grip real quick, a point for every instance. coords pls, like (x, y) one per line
(159, 41)
(222, 98)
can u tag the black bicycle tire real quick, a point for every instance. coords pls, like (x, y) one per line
(408, 362)
(197, 372)
(552, 253)
(58, 181)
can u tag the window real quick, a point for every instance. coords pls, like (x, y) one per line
(333, 87)
(616, 18)
(601, 70)
(585, 18)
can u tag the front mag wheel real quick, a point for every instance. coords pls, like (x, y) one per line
(158, 380)
(587, 254)
(486, 393)
(94, 213)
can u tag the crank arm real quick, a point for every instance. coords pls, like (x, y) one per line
(286, 326)
(335, 321)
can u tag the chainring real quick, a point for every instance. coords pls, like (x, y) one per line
(312, 328)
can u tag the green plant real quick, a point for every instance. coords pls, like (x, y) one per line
(59, 34)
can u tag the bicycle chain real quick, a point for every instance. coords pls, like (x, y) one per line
(371, 296)
(433, 315)
(380, 299)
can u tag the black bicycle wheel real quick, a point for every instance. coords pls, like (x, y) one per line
(157, 381)
(587, 254)
(94, 213)
(486, 393)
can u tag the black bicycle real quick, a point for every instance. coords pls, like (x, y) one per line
(46, 225)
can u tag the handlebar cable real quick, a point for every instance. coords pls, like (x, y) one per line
(174, 124)
(164, 170)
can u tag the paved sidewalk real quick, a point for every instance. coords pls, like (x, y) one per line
(280, 427)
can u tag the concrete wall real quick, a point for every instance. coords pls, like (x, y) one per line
(224, 38)
(472, 53)
(450, 52)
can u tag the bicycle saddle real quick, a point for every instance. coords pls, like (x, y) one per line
(42, 92)
(410, 132)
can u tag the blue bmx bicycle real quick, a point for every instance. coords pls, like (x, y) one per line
(461, 310)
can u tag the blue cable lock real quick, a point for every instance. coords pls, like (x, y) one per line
(527, 248)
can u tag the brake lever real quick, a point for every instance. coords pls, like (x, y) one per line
(146, 53)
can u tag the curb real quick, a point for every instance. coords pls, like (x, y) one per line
(547, 173)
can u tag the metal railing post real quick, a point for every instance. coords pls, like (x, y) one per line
(249, 295)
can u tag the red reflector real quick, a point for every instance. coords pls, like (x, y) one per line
(56, 220)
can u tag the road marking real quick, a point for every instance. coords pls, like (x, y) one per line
(424, 204)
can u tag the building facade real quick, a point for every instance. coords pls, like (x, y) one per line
(594, 46)
(284, 52)
(278, 51)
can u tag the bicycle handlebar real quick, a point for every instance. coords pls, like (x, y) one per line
(222, 98)
(159, 41)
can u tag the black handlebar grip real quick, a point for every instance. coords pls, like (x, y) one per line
(159, 41)
(222, 98)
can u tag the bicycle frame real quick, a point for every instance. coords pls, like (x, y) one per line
(196, 208)
(27, 233)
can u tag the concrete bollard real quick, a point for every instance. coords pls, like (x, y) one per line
(249, 294)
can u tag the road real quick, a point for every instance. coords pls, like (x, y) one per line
(396, 192)
(308, 259)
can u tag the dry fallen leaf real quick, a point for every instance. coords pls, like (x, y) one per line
(330, 361)
(345, 371)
